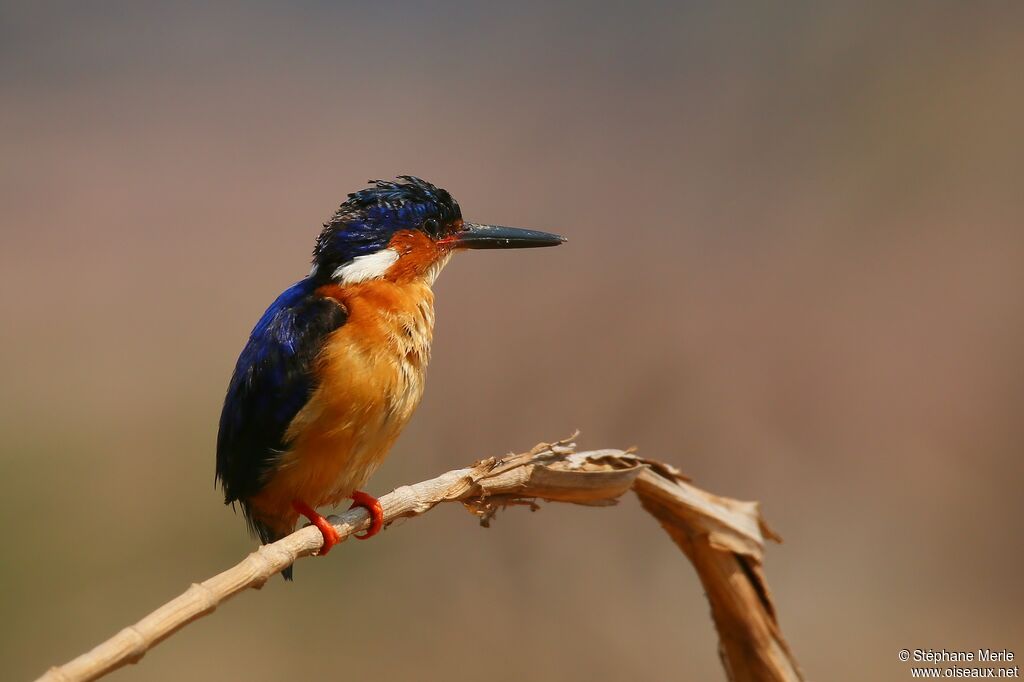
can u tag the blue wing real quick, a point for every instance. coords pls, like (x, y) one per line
(272, 381)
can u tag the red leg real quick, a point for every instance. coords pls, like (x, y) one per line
(372, 505)
(331, 537)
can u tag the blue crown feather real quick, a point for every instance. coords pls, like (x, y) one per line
(366, 222)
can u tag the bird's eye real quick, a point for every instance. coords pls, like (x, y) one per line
(430, 226)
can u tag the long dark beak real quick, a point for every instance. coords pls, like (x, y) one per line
(473, 236)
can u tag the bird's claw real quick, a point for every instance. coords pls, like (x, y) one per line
(372, 505)
(331, 537)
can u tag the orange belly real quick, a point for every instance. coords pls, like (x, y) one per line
(370, 380)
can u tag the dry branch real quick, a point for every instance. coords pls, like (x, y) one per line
(723, 538)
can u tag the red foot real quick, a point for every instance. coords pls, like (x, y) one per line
(331, 537)
(372, 505)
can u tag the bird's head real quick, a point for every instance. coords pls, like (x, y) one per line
(404, 230)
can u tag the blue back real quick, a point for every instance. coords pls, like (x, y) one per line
(272, 381)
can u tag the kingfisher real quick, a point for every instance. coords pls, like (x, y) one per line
(335, 367)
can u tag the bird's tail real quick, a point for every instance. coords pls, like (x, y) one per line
(268, 534)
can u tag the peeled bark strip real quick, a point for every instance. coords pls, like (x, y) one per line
(722, 537)
(724, 540)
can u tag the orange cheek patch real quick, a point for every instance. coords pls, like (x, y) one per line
(416, 253)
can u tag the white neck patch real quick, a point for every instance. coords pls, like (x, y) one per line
(362, 268)
(436, 268)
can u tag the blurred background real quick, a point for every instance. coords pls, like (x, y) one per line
(794, 271)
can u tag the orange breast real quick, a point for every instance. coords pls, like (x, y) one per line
(371, 375)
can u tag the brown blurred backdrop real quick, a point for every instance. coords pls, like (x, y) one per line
(794, 270)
